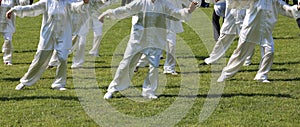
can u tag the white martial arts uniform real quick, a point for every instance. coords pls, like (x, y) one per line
(55, 34)
(261, 16)
(7, 27)
(230, 29)
(90, 21)
(148, 37)
(173, 27)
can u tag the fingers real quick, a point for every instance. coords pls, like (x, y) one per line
(101, 19)
(8, 14)
(192, 6)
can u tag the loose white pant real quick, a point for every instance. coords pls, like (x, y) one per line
(243, 50)
(78, 57)
(170, 62)
(266, 62)
(7, 48)
(79, 47)
(38, 66)
(220, 48)
(125, 73)
(54, 59)
(97, 28)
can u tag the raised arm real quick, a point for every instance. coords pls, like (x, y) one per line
(287, 10)
(183, 14)
(79, 7)
(28, 10)
(122, 12)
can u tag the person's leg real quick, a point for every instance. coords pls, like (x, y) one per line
(97, 28)
(150, 83)
(53, 61)
(61, 71)
(142, 61)
(267, 52)
(7, 49)
(248, 59)
(169, 66)
(78, 57)
(220, 48)
(75, 42)
(123, 75)
(36, 68)
(243, 50)
(216, 25)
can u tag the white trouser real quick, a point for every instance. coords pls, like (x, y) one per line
(79, 47)
(54, 59)
(267, 53)
(220, 48)
(78, 57)
(170, 62)
(38, 66)
(237, 59)
(125, 73)
(7, 48)
(240, 54)
(142, 61)
(97, 28)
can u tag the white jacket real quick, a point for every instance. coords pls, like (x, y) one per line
(260, 19)
(150, 30)
(56, 29)
(233, 21)
(8, 25)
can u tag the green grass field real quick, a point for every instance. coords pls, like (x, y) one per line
(182, 99)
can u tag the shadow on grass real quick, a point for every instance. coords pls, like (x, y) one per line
(288, 37)
(188, 57)
(216, 95)
(11, 79)
(230, 95)
(38, 97)
(291, 79)
(19, 63)
(23, 51)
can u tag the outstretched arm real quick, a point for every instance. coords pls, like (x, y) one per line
(29, 10)
(122, 12)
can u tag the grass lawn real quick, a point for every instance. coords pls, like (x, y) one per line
(192, 98)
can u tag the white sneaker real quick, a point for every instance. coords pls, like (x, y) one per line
(108, 95)
(76, 67)
(149, 95)
(263, 80)
(222, 78)
(8, 63)
(60, 88)
(171, 72)
(20, 86)
(247, 63)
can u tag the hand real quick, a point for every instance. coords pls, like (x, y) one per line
(101, 18)
(192, 6)
(298, 7)
(8, 14)
(85, 1)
